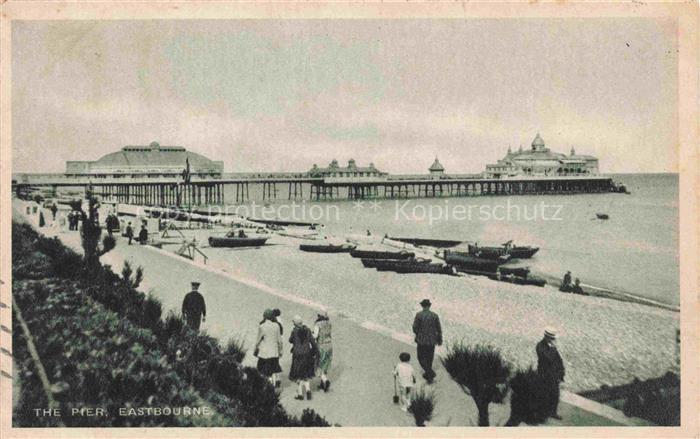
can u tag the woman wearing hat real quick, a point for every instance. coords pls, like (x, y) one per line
(303, 352)
(268, 348)
(322, 335)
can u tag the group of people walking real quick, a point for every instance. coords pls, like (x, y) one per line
(312, 351)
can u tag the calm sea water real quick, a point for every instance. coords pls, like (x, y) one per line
(635, 251)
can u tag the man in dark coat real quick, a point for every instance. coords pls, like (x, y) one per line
(143, 235)
(129, 232)
(426, 327)
(551, 368)
(193, 307)
(54, 209)
(566, 283)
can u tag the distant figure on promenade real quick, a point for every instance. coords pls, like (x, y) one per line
(405, 379)
(143, 235)
(278, 319)
(268, 348)
(303, 351)
(54, 209)
(426, 327)
(322, 335)
(577, 289)
(193, 307)
(42, 222)
(550, 367)
(129, 232)
(112, 223)
(566, 283)
(70, 218)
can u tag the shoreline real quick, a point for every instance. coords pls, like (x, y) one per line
(598, 289)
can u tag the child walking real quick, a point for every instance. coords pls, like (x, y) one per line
(405, 379)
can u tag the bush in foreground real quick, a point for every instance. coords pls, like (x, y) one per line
(481, 372)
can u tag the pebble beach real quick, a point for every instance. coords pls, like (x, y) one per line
(602, 341)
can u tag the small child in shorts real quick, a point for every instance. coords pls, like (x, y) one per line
(405, 379)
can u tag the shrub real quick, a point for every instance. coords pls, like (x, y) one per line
(422, 406)
(236, 349)
(481, 372)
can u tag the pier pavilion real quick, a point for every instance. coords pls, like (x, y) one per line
(151, 161)
(541, 161)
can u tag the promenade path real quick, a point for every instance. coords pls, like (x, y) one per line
(364, 355)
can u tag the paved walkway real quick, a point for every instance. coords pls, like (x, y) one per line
(362, 384)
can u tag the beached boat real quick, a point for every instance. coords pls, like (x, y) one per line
(419, 265)
(602, 216)
(235, 241)
(515, 271)
(467, 261)
(300, 234)
(277, 222)
(529, 280)
(377, 254)
(326, 248)
(440, 243)
(523, 252)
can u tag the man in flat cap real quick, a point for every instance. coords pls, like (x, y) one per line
(426, 327)
(551, 368)
(193, 308)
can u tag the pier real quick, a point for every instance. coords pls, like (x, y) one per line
(271, 187)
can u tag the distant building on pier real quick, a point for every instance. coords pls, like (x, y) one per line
(436, 170)
(151, 161)
(539, 161)
(333, 170)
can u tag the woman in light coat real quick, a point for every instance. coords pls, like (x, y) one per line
(322, 334)
(268, 348)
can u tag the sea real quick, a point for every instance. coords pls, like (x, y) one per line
(636, 250)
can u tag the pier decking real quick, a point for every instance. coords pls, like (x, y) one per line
(176, 192)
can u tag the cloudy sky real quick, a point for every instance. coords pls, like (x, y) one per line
(267, 95)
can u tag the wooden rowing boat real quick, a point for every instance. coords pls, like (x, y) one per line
(326, 248)
(375, 254)
(234, 241)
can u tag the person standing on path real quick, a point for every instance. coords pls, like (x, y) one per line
(129, 232)
(322, 335)
(143, 235)
(303, 350)
(268, 348)
(54, 209)
(551, 368)
(193, 307)
(426, 327)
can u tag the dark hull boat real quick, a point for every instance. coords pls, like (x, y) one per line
(440, 243)
(602, 216)
(226, 241)
(523, 252)
(465, 260)
(408, 266)
(326, 248)
(520, 280)
(374, 254)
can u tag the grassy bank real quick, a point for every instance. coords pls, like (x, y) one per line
(104, 344)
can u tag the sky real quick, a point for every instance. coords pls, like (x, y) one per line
(281, 95)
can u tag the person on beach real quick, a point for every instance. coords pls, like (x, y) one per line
(322, 335)
(551, 368)
(193, 307)
(278, 319)
(268, 348)
(577, 289)
(405, 379)
(129, 232)
(303, 351)
(565, 286)
(143, 235)
(426, 327)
